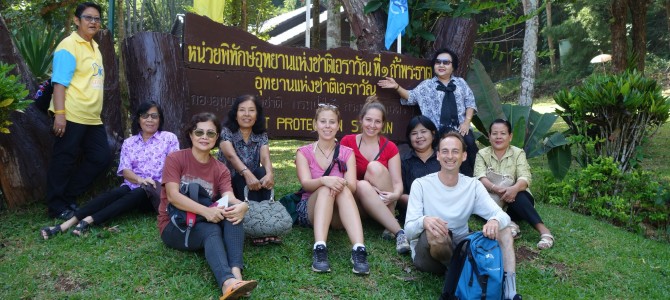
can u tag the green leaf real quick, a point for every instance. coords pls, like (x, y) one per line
(372, 6)
(486, 97)
(6, 102)
(559, 160)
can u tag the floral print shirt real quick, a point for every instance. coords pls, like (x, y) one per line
(146, 159)
(429, 99)
(248, 152)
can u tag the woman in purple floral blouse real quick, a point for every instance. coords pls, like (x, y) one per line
(141, 165)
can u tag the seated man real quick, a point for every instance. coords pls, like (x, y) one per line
(439, 207)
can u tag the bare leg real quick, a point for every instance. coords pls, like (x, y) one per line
(88, 220)
(507, 247)
(378, 176)
(542, 229)
(320, 211)
(375, 207)
(348, 217)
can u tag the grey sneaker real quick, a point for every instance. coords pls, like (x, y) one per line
(401, 243)
(359, 258)
(387, 235)
(320, 259)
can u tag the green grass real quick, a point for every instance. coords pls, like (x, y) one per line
(590, 260)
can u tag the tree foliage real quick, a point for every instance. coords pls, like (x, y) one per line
(613, 115)
(12, 96)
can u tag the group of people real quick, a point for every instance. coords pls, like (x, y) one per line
(436, 186)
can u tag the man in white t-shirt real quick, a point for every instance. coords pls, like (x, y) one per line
(438, 210)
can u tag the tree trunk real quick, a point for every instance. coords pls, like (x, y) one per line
(667, 15)
(458, 35)
(334, 25)
(619, 9)
(111, 115)
(25, 152)
(315, 31)
(529, 54)
(550, 40)
(244, 22)
(369, 29)
(155, 71)
(638, 12)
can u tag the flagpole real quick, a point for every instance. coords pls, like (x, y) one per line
(308, 5)
(399, 42)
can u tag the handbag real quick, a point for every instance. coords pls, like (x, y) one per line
(266, 217)
(186, 220)
(499, 180)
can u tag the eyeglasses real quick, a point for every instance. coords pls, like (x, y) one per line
(154, 116)
(328, 105)
(210, 133)
(445, 62)
(91, 19)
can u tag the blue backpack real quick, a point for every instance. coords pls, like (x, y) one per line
(475, 270)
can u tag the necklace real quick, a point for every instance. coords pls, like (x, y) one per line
(324, 153)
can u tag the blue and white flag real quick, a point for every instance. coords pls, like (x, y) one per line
(397, 21)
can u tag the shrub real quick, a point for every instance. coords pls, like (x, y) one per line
(601, 189)
(612, 115)
(12, 95)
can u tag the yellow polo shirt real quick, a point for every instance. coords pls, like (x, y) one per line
(78, 66)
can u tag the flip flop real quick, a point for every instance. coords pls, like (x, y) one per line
(259, 242)
(274, 240)
(239, 289)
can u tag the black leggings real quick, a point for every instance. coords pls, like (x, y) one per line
(523, 208)
(223, 243)
(114, 203)
(239, 183)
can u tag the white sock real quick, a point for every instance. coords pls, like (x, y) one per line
(358, 245)
(319, 243)
(510, 285)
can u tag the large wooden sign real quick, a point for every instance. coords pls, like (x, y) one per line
(224, 62)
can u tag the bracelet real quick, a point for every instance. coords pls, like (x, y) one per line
(397, 87)
(242, 171)
(59, 112)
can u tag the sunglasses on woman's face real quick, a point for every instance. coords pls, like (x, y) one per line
(210, 133)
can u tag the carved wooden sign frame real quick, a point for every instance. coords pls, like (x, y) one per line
(224, 62)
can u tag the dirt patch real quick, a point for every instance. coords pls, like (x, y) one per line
(66, 283)
(524, 253)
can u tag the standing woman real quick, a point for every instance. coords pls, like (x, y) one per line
(421, 160)
(78, 79)
(446, 100)
(328, 200)
(222, 235)
(140, 164)
(378, 171)
(245, 151)
(502, 160)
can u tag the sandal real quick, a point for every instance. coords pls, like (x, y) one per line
(48, 232)
(239, 289)
(82, 228)
(259, 242)
(274, 240)
(515, 230)
(546, 241)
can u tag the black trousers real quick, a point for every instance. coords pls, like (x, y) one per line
(523, 208)
(239, 183)
(468, 166)
(69, 175)
(113, 203)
